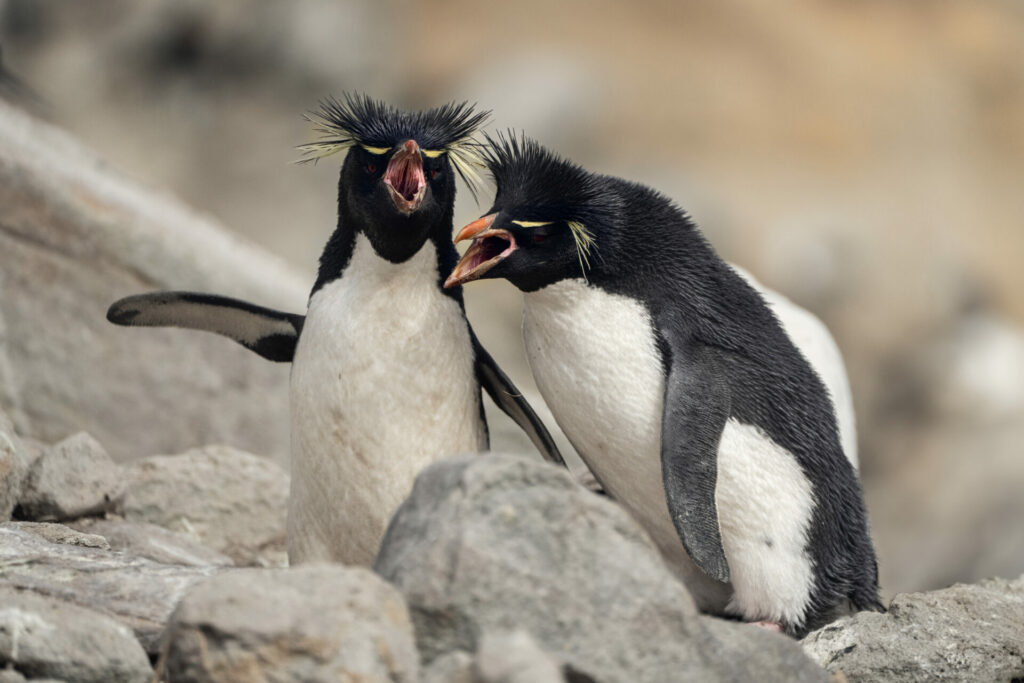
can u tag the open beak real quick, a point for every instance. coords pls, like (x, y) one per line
(490, 247)
(404, 178)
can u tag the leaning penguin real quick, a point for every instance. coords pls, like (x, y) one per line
(681, 390)
(386, 371)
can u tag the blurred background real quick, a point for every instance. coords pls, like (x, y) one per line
(865, 158)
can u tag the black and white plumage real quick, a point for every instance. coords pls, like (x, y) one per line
(386, 370)
(681, 390)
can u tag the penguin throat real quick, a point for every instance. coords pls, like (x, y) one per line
(405, 176)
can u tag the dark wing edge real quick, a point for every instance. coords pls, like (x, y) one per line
(696, 409)
(507, 397)
(264, 331)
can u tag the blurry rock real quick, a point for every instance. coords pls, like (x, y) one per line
(451, 667)
(73, 478)
(225, 499)
(42, 637)
(953, 510)
(153, 542)
(13, 467)
(963, 633)
(498, 543)
(58, 533)
(312, 623)
(978, 371)
(136, 592)
(72, 221)
(514, 657)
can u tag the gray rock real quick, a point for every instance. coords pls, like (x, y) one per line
(514, 658)
(69, 218)
(228, 500)
(73, 478)
(499, 543)
(153, 542)
(44, 637)
(58, 533)
(137, 592)
(11, 676)
(13, 467)
(312, 623)
(963, 633)
(451, 667)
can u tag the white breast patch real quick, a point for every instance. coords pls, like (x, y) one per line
(382, 385)
(595, 361)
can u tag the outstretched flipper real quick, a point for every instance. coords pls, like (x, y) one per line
(507, 397)
(695, 413)
(272, 334)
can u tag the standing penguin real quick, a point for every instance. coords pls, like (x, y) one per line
(680, 389)
(386, 370)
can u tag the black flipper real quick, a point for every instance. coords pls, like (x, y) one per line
(507, 397)
(695, 413)
(272, 334)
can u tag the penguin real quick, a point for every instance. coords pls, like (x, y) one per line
(386, 370)
(680, 389)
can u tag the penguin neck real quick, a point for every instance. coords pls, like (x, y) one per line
(435, 258)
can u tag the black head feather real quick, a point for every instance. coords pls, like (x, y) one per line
(358, 119)
(534, 183)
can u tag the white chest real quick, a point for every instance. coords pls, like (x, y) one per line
(382, 385)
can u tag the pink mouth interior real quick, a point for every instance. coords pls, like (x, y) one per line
(405, 175)
(487, 248)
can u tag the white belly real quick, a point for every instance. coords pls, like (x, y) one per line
(382, 385)
(596, 363)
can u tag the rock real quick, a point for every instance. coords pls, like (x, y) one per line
(451, 667)
(13, 467)
(153, 542)
(58, 533)
(73, 478)
(514, 658)
(136, 592)
(228, 500)
(44, 637)
(71, 219)
(312, 623)
(963, 633)
(498, 543)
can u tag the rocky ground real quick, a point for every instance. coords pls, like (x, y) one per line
(497, 568)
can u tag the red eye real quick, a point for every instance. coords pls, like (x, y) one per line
(539, 237)
(434, 174)
(371, 167)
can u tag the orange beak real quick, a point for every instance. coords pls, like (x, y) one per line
(490, 246)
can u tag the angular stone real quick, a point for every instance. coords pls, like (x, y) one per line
(136, 592)
(514, 657)
(311, 623)
(152, 542)
(963, 633)
(44, 637)
(228, 500)
(500, 543)
(58, 533)
(73, 478)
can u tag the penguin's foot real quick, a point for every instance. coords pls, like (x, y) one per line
(768, 625)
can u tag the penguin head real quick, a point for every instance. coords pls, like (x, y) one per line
(548, 223)
(397, 182)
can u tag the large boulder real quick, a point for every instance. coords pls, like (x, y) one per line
(230, 501)
(75, 236)
(497, 543)
(41, 637)
(963, 633)
(74, 478)
(136, 592)
(312, 623)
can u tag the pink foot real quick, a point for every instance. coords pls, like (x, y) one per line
(768, 625)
